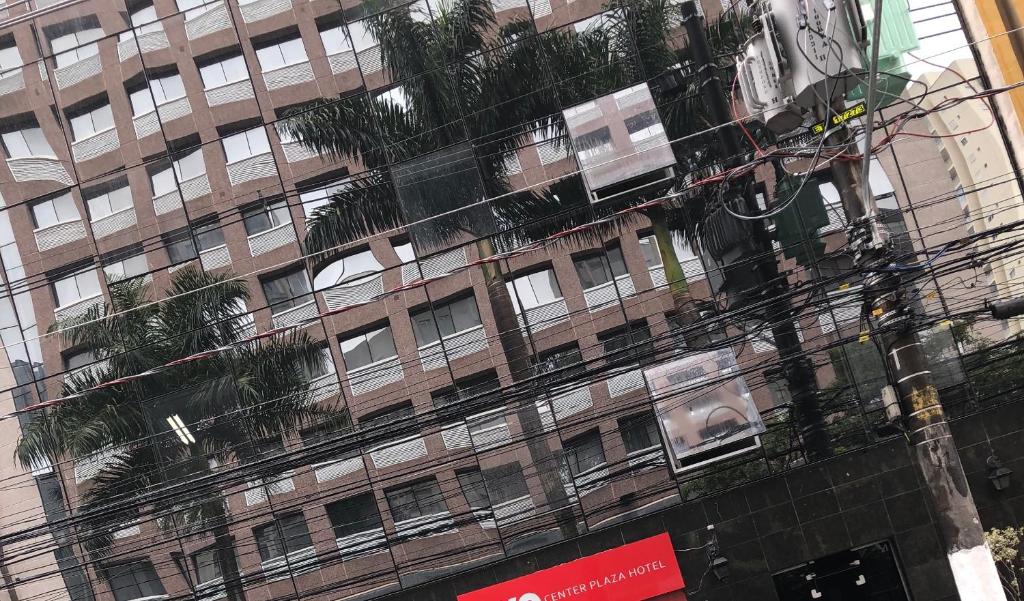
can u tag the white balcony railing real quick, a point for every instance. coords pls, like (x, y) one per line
(230, 92)
(607, 294)
(95, 145)
(174, 109)
(290, 317)
(12, 81)
(693, 271)
(295, 152)
(30, 169)
(342, 62)
(268, 240)
(147, 42)
(345, 295)
(297, 562)
(545, 316)
(166, 203)
(540, 8)
(87, 468)
(371, 60)
(375, 375)
(456, 436)
(400, 451)
(459, 344)
(59, 234)
(214, 19)
(362, 543)
(592, 479)
(262, 9)
(127, 530)
(843, 307)
(435, 265)
(552, 152)
(96, 368)
(146, 124)
(324, 387)
(211, 590)
(488, 432)
(259, 489)
(289, 75)
(503, 5)
(252, 168)
(426, 525)
(625, 382)
(78, 308)
(646, 458)
(215, 258)
(195, 187)
(515, 510)
(571, 402)
(77, 72)
(332, 470)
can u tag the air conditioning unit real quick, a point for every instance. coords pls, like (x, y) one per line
(806, 52)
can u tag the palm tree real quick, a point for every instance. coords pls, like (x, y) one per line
(170, 427)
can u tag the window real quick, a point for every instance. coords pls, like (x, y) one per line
(564, 363)
(287, 291)
(684, 254)
(506, 483)
(263, 449)
(368, 348)
(206, 565)
(246, 144)
(324, 367)
(221, 73)
(592, 144)
(639, 432)
(179, 246)
(464, 390)
(361, 37)
(621, 344)
(73, 47)
(416, 500)
(143, 20)
(208, 233)
(92, 122)
(314, 199)
(596, 270)
(379, 420)
(335, 40)
(265, 217)
(285, 535)
(534, 290)
(10, 60)
(404, 251)
(187, 167)
(73, 288)
(584, 452)
(473, 488)
(194, 8)
(109, 202)
(348, 269)
(453, 317)
(281, 54)
(50, 212)
(29, 142)
(125, 264)
(167, 88)
(78, 360)
(134, 581)
(643, 126)
(354, 515)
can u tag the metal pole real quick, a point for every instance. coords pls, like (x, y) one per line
(796, 366)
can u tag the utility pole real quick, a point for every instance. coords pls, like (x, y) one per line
(796, 366)
(885, 298)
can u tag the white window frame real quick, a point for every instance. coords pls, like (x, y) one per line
(20, 136)
(102, 205)
(331, 47)
(255, 140)
(10, 60)
(218, 69)
(143, 20)
(313, 199)
(87, 277)
(91, 123)
(58, 205)
(190, 9)
(276, 56)
(76, 46)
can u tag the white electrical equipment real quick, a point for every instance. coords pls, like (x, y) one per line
(806, 53)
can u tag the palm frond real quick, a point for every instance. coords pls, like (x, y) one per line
(369, 206)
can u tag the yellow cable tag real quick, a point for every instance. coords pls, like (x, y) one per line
(877, 311)
(946, 322)
(863, 337)
(930, 295)
(844, 286)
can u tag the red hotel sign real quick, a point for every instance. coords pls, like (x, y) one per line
(634, 572)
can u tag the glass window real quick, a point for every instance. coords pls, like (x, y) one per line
(265, 217)
(167, 88)
(376, 421)
(73, 47)
(73, 288)
(163, 182)
(142, 102)
(142, 20)
(584, 452)
(620, 344)
(208, 234)
(473, 488)
(134, 581)
(314, 199)
(639, 432)
(466, 389)
(404, 251)
(224, 72)
(77, 360)
(643, 126)
(179, 246)
(206, 565)
(282, 54)
(348, 269)
(286, 535)
(354, 515)
(10, 60)
(506, 483)
(596, 270)
(416, 500)
(91, 123)
(564, 362)
(190, 166)
(50, 212)
(335, 40)
(246, 144)
(126, 267)
(29, 142)
(534, 290)
(287, 291)
(194, 8)
(109, 203)
(361, 37)
(324, 367)
(370, 347)
(454, 317)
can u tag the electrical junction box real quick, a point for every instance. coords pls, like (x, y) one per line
(806, 54)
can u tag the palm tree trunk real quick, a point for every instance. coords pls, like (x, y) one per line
(225, 545)
(548, 464)
(686, 308)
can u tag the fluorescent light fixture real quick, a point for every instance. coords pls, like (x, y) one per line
(180, 429)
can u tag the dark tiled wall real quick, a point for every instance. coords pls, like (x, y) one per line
(783, 521)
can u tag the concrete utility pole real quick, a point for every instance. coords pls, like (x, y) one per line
(885, 297)
(796, 366)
